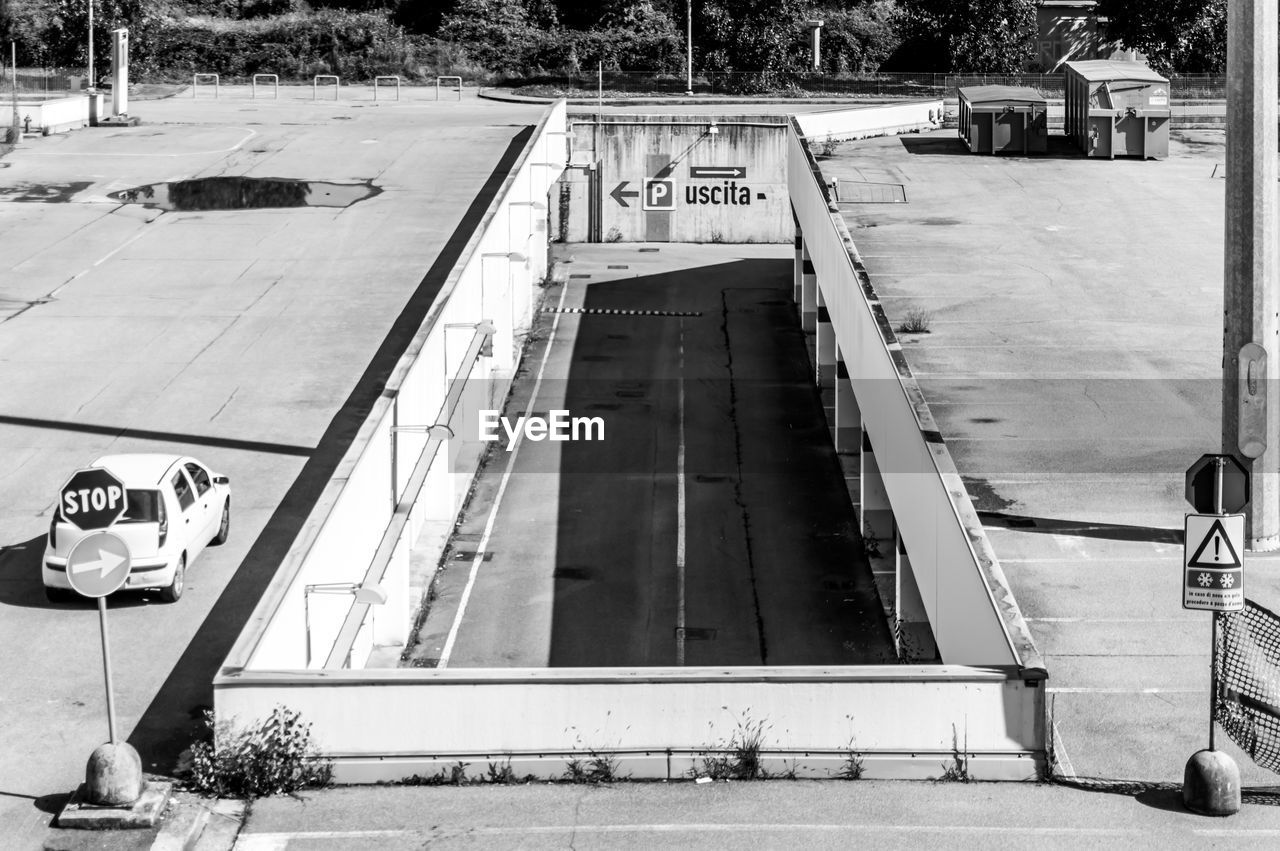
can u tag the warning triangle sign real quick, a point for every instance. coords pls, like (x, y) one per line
(1215, 551)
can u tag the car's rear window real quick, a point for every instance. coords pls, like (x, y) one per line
(142, 506)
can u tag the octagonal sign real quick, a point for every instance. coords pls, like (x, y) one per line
(1202, 477)
(92, 498)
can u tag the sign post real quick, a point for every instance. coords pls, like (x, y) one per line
(97, 565)
(1213, 580)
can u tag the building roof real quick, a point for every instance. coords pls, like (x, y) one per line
(1099, 70)
(1000, 94)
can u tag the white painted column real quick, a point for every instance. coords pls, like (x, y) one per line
(914, 636)
(825, 344)
(848, 415)
(808, 294)
(498, 306)
(797, 288)
(877, 514)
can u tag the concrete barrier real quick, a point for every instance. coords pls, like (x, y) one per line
(972, 612)
(373, 493)
(983, 720)
(57, 115)
(865, 122)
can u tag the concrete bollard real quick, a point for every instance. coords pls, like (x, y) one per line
(113, 777)
(1211, 784)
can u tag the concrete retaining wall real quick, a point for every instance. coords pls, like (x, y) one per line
(685, 178)
(865, 122)
(57, 115)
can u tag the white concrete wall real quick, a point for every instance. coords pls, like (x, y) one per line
(864, 122)
(903, 720)
(56, 115)
(359, 532)
(975, 619)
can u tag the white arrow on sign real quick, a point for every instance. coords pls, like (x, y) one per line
(106, 562)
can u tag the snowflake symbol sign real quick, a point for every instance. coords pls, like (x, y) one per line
(1205, 580)
(1228, 580)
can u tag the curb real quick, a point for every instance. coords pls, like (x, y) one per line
(200, 824)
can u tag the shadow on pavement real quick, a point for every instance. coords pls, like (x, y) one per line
(1163, 795)
(168, 726)
(1081, 528)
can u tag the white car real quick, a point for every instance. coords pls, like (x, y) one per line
(175, 507)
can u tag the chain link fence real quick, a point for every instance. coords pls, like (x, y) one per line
(42, 82)
(1247, 705)
(1184, 87)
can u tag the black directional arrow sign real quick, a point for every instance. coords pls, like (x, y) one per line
(620, 196)
(725, 171)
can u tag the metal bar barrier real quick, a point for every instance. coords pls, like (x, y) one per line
(438, 79)
(195, 84)
(377, 80)
(275, 82)
(315, 85)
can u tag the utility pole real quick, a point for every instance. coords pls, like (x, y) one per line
(688, 47)
(1250, 423)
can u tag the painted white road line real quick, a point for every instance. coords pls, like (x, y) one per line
(249, 134)
(1106, 690)
(502, 489)
(680, 516)
(278, 841)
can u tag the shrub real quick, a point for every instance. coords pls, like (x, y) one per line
(269, 758)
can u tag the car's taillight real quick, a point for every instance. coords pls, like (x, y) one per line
(53, 533)
(163, 527)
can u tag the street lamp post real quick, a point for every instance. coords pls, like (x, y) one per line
(688, 31)
(92, 81)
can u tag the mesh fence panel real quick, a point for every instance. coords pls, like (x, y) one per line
(1248, 700)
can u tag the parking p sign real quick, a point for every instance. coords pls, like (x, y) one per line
(659, 194)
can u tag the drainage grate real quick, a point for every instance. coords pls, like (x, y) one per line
(710, 479)
(648, 251)
(469, 555)
(573, 571)
(609, 311)
(849, 192)
(579, 276)
(696, 633)
(619, 266)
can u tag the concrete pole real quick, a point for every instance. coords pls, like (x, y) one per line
(1250, 297)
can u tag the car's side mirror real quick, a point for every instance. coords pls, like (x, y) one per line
(221, 480)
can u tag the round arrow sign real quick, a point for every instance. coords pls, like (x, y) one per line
(92, 498)
(98, 564)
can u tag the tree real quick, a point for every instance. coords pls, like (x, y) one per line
(859, 37)
(1188, 36)
(973, 36)
(495, 33)
(751, 45)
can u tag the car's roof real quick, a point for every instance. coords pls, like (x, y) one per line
(139, 468)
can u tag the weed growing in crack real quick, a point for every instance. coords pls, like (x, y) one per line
(958, 770)
(917, 321)
(739, 758)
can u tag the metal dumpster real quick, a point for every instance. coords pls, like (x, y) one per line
(996, 119)
(1117, 109)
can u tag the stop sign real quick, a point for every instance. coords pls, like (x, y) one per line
(1202, 478)
(92, 498)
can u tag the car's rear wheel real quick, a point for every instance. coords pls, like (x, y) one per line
(173, 592)
(224, 528)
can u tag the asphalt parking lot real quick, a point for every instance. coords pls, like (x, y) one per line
(251, 339)
(1073, 365)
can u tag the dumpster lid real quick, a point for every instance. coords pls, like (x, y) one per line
(1109, 69)
(1000, 94)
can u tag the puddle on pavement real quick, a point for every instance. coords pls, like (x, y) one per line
(245, 193)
